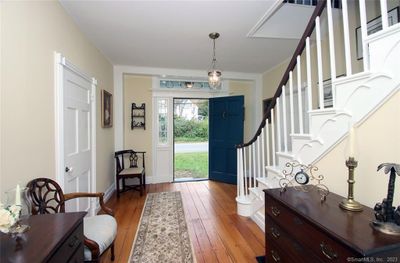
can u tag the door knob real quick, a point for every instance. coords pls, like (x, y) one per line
(68, 169)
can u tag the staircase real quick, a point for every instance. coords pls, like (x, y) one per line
(284, 135)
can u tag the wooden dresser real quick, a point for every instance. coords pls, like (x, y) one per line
(51, 238)
(299, 228)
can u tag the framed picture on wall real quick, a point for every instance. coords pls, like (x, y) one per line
(106, 109)
(374, 26)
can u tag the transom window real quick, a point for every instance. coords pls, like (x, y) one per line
(178, 84)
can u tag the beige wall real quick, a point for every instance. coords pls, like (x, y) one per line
(137, 89)
(246, 89)
(30, 33)
(377, 141)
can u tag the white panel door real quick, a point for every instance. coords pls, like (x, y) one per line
(77, 138)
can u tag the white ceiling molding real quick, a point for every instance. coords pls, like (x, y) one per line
(270, 12)
(293, 18)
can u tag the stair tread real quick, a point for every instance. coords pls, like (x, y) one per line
(306, 136)
(255, 190)
(269, 182)
(274, 168)
(286, 154)
(244, 199)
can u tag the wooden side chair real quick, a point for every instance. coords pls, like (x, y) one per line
(47, 197)
(136, 169)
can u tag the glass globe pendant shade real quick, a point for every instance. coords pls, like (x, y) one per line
(214, 79)
(214, 75)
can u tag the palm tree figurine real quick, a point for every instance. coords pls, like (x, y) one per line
(387, 218)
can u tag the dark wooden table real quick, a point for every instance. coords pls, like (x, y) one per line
(299, 228)
(51, 238)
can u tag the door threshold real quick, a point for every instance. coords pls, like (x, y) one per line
(183, 180)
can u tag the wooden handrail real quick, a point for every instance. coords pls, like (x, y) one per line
(300, 47)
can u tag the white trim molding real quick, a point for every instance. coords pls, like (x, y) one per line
(60, 63)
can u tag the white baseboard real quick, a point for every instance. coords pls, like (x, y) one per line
(259, 220)
(107, 195)
(157, 180)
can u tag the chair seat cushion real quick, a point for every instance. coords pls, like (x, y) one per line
(102, 229)
(133, 170)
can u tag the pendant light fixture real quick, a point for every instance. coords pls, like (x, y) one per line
(214, 74)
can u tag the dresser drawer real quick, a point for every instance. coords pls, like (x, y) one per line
(71, 248)
(275, 234)
(319, 242)
(275, 254)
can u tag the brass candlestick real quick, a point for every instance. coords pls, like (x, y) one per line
(349, 203)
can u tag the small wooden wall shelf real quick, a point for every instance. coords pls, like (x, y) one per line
(138, 116)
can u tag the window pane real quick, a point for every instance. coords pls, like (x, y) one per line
(162, 121)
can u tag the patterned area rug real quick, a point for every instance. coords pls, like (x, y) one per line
(162, 235)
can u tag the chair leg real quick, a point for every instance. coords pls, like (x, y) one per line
(117, 187)
(141, 186)
(144, 181)
(112, 252)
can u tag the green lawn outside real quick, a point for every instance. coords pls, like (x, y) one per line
(191, 165)
(190, 139)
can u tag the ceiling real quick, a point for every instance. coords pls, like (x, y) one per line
(174, 34)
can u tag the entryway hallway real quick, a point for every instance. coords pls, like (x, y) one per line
(216, 231)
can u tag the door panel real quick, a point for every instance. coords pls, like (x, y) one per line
(77, 137)
(225, 132)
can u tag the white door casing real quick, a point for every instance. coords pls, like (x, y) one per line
(75, 133)
(163, 153)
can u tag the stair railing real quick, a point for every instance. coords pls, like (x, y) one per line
(275, 129)
(251, 166)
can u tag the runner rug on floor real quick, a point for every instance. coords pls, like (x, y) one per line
(162, 235)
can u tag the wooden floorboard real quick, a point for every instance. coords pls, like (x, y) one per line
(217, 233)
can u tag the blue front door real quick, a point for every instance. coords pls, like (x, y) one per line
(226, 116)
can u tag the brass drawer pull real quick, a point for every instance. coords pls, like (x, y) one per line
(275, 256)
(275, 211)
(275, 233)
(328, 251)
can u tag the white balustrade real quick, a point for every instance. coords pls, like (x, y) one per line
(285, 141)
(347, 52)
(364, 34)
(254, 164)
(278, 124)
(267, 140)
(291, 102)
(308, 62)
(239, 177)
(245, 171)
(273, 137)
(331, 49)
(384, 14)
(258, 157)
(319, 63)
(299, 97)
(263, 149)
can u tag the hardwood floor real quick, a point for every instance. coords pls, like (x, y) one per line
(217, 233)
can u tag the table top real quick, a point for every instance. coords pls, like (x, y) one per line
(46, 234)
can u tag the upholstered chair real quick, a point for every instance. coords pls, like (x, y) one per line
(47, 197)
